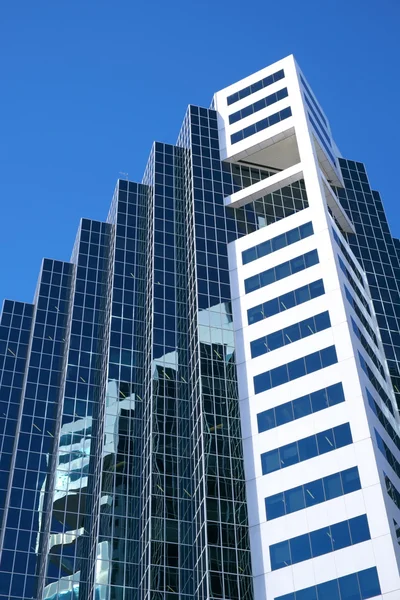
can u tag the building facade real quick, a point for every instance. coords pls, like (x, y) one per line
(202, 402)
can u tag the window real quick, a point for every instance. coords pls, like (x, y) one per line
(259, 105)
(314, 492)
(357, 586)
(295, 369)
(261, 125)
(295, 265)
(290, 334)
(306, 448)
(254, 87)
(278, 242)
(319, 542)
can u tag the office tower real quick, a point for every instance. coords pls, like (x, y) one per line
(199, 404)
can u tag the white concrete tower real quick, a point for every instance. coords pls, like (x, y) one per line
(319, 421)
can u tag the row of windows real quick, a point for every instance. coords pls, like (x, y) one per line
(357, 586)
(295, 369)
(255, 87)
(277, 242)
(286, 301)
(253, 108)
(290, 334)
(295, 265)
(317, 108)
(261, 125)
(348, 257)
(383, 419)
(360, 315)
(306, 448)
(314, 492)
(318, 120)
(371, 376)
(319, 542)
(388, 454)
(368, 348)
(354, 286)
(300, 407)
(321, 139)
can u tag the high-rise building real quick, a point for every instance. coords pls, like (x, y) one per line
(199, 405)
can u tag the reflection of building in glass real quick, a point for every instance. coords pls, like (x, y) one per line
(145, 452)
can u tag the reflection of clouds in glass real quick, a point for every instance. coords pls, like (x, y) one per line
(71, 483)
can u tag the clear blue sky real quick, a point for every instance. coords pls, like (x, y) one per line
(87, 85)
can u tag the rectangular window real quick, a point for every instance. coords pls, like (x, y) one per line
(295, 369)
(286, 301)
(314, 492)
(277, 242)
(261, 125)
(319, 542)
(281, 271)
(254, 87)
(306, 448)
(300, 407)
(290, 334)
(259, 105)
(371, 376)
(357, 586)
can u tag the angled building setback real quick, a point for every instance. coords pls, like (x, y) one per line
(204, 402)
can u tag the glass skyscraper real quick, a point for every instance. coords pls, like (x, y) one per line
(201, 404)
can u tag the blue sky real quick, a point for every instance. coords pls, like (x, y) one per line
(87, 85)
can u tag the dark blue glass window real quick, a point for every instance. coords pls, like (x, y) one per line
(304, 449)
(359, 529)
(290, 334)
(278, 242)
